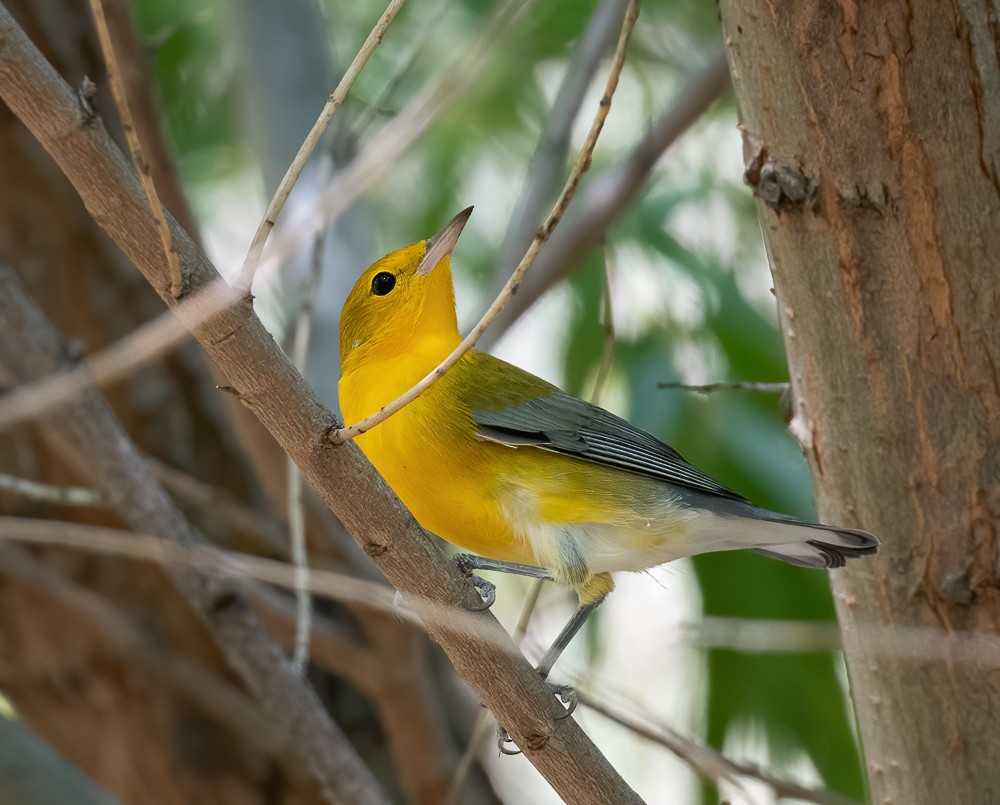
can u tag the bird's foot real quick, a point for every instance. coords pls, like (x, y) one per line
(466, 564)
(505, 744)
(487, 591)
(564, 693)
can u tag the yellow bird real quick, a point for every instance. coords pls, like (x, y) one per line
(533, 480)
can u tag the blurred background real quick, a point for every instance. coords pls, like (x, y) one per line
(656, 276)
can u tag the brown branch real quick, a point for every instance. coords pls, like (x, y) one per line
(88, 433)
(224, 703)
(609, 194)
(135, 147)
(276, 393)
(134, 73)
(545, 231)
(709, 763)
(291, 176)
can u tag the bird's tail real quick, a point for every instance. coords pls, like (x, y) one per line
(816, 545)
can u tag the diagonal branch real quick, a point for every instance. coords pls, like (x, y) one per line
(87, 432)
(269, 385)
(291, 176)
(549, 160)
(610, 193)
(135, 146)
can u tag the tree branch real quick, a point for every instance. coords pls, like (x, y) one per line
(88, 432)
(235, 339)
(291, 176)
(135, 146)
(709, 763)
(549, 160)
(610, 193)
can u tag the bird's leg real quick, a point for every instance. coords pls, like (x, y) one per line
(592, 594)
(468, 563)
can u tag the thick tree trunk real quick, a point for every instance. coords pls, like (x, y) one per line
(872, 139)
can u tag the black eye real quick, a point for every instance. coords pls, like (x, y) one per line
(382, 283)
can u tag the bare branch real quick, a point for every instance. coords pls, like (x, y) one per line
(343, 434)
(291, 176)
(738, 385)
(549, 161)
(709, 763)
(296, 489)
(208, 692)
(89, 435)
(482, 726)
(392, 140)
(268, 384)
(47, 493)
(141, 346)
(135, 147)
(610, 193)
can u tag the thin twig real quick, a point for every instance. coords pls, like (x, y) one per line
(341, 435)
(739, 385)
(291, 176)
(549, 160)
(135, 147)
(610, 193)
(202, 557)
(608, 352)
(296, 487)
(419, 37)
(709, 763)
(48, 493)
(380, 155)
(134, 350)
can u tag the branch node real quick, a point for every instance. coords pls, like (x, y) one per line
(375, 549)
(85, 93)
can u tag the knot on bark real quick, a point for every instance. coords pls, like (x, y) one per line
(783, 188)
(375, 549)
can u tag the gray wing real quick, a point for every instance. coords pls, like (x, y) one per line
(564, 424)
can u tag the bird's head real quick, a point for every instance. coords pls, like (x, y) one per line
(404, 297)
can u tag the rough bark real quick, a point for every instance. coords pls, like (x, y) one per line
(271, 388)
(872, 140)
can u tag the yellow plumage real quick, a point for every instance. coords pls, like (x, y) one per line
(497, 461)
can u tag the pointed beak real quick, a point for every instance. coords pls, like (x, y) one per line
(443, 243)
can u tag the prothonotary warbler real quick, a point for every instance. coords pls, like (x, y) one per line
(533, 480)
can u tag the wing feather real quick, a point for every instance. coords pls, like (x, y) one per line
(563, 424)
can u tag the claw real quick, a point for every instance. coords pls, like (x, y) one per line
(487, 590)
(566, 695)
(502, 740)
